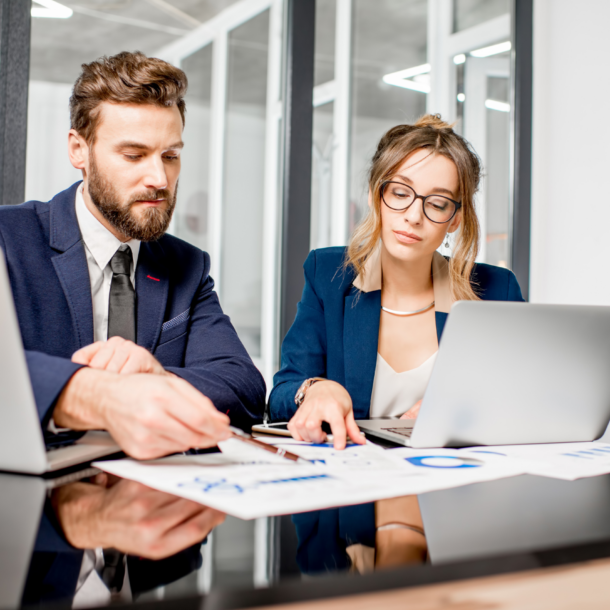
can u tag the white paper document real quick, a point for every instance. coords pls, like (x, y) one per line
(567, 461)
(262, 486)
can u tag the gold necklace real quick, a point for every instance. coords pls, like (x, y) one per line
(407, 313)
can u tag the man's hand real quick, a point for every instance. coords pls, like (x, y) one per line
(326, 401)
(147, 415)
(118, 356)
(131, 518)
(413, 412)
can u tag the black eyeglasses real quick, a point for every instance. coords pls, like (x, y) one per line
(399, 197)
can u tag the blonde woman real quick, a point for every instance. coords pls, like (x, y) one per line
(369, 322)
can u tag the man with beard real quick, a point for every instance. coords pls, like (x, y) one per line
(120, 322)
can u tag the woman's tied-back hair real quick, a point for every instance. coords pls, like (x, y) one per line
(126, 78)
(432, 133)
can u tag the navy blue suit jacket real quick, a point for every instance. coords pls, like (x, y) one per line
(336, 330)
(179, 318)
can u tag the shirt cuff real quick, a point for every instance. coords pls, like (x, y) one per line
(53, 429)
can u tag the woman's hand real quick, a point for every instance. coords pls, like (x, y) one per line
(413, 412)
(326, 401)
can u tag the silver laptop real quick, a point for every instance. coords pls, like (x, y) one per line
(512, 373)
(22, 448)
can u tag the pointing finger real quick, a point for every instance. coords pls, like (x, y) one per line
(353, 430)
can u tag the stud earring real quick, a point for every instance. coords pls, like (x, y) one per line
(447, 240)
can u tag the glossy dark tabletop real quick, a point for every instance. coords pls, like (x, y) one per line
(181, 554)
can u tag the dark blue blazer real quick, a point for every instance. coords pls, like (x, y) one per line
(179, 318)
(336, 330)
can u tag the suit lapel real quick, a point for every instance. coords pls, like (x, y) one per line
(443, 299)
(71, 265)
(152, 288)
(440, 318)
(73, 273)
(360, 341)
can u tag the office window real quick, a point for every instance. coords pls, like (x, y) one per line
(498, 175)
(323, 113)
(326, 23)
(61, 44)
(468, 13)
(191, 215)
(483, 117)
(387, 37)
(388, 72)
(244, 171)
(321, 175)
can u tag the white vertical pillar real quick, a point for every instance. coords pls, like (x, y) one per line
(271, 208)
(262, 547)
(442, 75)
(206, 572)
(342, 122)
(217, 149)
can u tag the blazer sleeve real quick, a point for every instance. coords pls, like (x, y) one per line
(48, 375)
(514, 290)
(303, 350)
(217, 363)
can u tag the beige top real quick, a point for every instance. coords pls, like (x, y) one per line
(395, 393)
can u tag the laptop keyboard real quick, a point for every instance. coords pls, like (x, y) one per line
(402, 431)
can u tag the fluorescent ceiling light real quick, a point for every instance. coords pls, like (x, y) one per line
(459, 59)
(493, 50)
(402, 78)
(495, 105)
(51, 10)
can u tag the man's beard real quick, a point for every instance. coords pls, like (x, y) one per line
(152, 222)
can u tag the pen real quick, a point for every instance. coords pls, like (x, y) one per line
(247, 438)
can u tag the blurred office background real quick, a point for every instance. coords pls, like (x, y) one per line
(375, 64)
(287, 101)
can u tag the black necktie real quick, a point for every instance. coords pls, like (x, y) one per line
(122, 303)
(113, 571)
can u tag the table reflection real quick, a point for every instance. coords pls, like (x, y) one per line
(362, 538)
(108, 539)
(115, 513)
(102, 539)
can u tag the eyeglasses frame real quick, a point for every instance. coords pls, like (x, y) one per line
(458, 204)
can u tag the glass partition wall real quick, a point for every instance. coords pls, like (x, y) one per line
(377, 64)
(235, 59)
(393, 62)
(190, 220)
(227, 198)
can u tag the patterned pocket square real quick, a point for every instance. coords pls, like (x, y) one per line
(183, 317)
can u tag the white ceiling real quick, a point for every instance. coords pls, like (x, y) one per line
(60, 46)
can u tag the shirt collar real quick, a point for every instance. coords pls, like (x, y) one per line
(99, 240)
(370, 279)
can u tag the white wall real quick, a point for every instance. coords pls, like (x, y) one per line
(571, 152)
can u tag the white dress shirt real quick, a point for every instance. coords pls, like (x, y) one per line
(90, 588)
(100, 246)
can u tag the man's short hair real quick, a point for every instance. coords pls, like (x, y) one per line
(125, 78)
